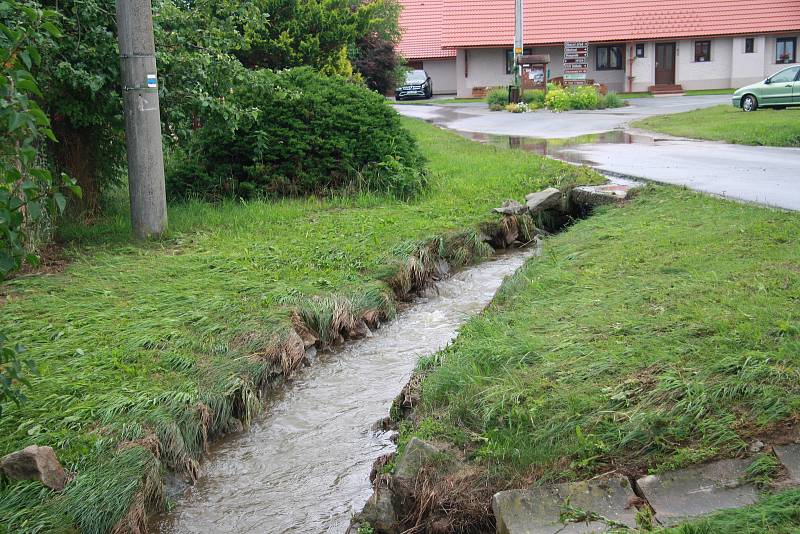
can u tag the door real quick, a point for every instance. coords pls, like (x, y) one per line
(780, 89)
(665, 63)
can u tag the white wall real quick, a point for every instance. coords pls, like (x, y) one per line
(485, 67)
(643, 69)
(613, 79)
(748, 68)
(713, 74)
(770, 67)
(443, 75)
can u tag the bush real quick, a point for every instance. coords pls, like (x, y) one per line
(496, 107)
(558, 99)
(296, 132)
(611, 100)
(584, 97)
(497, 97)
(534, 98)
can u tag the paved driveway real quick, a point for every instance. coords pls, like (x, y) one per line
(757, 174)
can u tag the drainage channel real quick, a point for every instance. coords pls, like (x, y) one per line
(305, 466)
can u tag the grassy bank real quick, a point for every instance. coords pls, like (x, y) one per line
(145, 352)
(766, 127)
(646, 338)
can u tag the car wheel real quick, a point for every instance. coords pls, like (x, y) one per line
(749, 103)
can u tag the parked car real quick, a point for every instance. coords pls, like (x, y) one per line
(780, 90)
(417, 84)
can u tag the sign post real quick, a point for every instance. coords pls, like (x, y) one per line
(575, 63)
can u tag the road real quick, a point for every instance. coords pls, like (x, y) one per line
(769, 176)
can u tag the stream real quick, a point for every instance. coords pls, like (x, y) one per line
(304, 467)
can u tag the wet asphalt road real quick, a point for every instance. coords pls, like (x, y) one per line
(764, 175)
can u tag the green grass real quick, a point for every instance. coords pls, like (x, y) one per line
(640, 94)
(647, 337)
(145, 348)
(699, 92)
(766, 127)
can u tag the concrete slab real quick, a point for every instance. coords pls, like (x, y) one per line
(698, 491)
(595, 195)
(789, 455)
(538, 510)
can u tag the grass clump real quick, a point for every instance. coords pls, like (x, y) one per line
(146, 352)
(647, 337)
(765, 127)
(497, 97)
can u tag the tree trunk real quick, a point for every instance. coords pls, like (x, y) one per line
(74, 155)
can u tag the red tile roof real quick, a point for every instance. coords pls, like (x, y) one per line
(476, 23)
(421, 22)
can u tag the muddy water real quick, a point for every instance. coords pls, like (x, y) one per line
(561, 149)
(305, 467)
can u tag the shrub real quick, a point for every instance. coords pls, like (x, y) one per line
(558, 99)
(496, 107)
(296, 132)
(497, 96)
(584, 97)
(611, 100)
(534, 98)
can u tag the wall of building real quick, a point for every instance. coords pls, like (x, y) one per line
(643, 69)
(443, 75)
(770, 66)
(481, 67)
(712, 74)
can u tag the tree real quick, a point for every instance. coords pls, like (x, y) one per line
(80, 81)
(377, 61)
(28, 192)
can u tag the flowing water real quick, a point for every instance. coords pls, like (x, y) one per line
(305, 466)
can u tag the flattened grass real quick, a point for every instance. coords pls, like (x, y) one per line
(646, 338)
(134, 341)
(765, 127)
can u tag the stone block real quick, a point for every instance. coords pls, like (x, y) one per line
(538, 510)
(416, 454)
(789, 455)
(698, 491)
(545, 199)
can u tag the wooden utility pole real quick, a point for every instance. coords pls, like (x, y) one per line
(142, 118)
(518, 40)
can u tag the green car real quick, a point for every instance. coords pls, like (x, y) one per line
(780, 90)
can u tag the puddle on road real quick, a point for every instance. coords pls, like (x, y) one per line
(560, 149)
(305, 467)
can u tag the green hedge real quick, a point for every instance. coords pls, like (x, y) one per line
(296, 132)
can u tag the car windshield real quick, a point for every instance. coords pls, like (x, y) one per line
(416, 76)
(785, 76)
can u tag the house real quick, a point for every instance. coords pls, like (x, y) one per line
(634, 45)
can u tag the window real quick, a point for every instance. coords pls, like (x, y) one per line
(749, 45)
(786, 75)
(702, 51)
(610, 57)
(786, 50)
(640, 50)
(510, 59)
